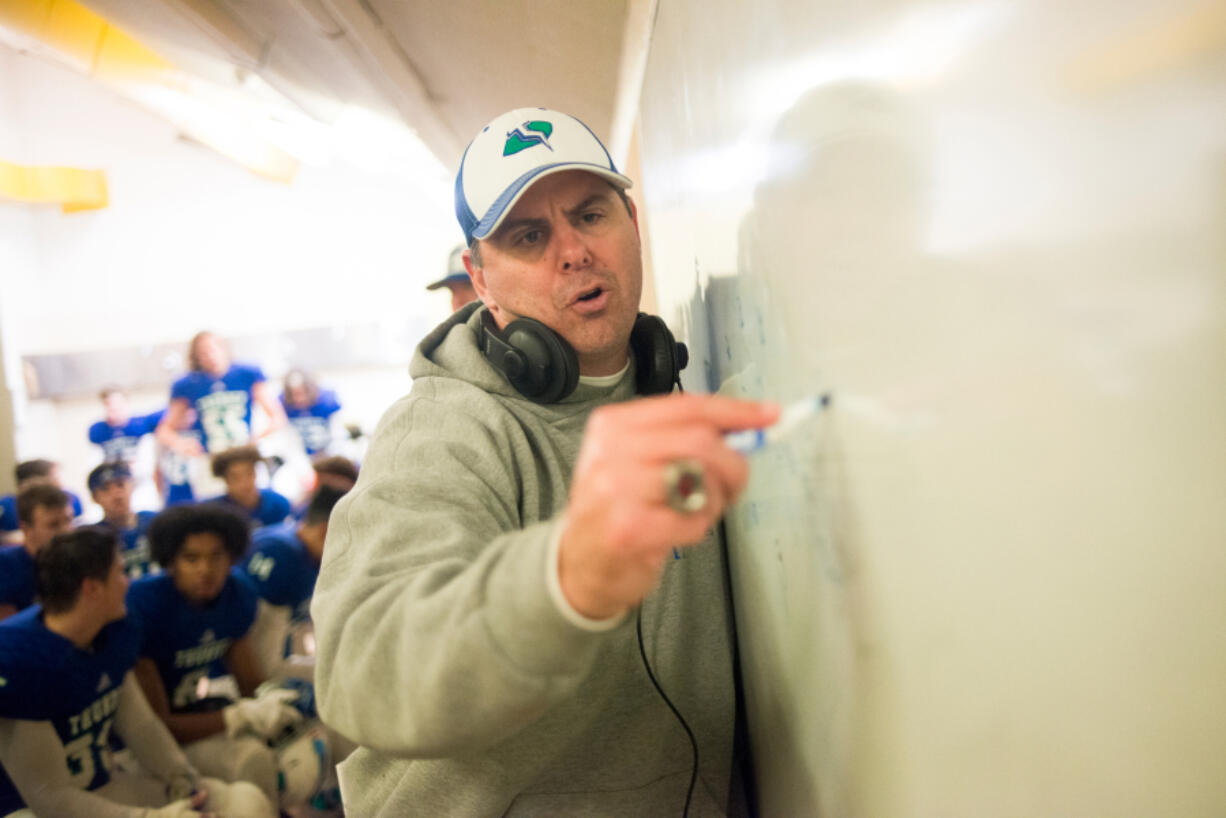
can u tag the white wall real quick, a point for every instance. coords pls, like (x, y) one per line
(16, 262)
(990, 580)
(190, 241)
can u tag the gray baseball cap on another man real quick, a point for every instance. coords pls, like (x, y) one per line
(456, 274)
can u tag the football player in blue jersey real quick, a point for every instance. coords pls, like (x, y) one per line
(29, 472)
(119, 432)
(282, 567)
(196, 617)
(66, 684)
(44, 511)
(110, 484)
(236, 467)
(222, 393)
(310, 410)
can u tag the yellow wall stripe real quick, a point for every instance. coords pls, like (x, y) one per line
(72, 189)
(86, 39)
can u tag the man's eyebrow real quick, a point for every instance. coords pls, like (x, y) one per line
(511, 224)
(601, 197)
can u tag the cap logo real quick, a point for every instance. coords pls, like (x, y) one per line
(534, 132)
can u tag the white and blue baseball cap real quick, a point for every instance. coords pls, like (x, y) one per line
(515, 150)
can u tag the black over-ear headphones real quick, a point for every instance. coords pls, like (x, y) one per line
(543, 366)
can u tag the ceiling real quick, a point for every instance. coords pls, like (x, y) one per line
(444, 68)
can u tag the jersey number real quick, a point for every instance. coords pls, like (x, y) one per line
(315, 433)
(224, 427)
(85, 754)
(261, 566)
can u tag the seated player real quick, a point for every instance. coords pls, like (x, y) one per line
(111, 487)
(67, 684)
(236, 467)
(310, 411)
(282, 567)
(28, 473)
(119, 432)
(43, 511)
(195, 618)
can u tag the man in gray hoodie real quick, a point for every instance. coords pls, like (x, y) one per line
(528, 550)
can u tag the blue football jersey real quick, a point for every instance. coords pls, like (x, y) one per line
(120, 442)
(186, 642)
(8, 513)
(281, 570)
(177, 473)
(273, 508)
(134, 546)
(179, 493)
(314, 423)
(16, 577)
(223, 405)
(45, 677)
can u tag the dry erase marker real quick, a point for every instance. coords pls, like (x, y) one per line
(750, 440)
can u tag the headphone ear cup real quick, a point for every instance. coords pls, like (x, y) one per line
(566, 363)
(552, 366)
(539, 363)
(656, 355)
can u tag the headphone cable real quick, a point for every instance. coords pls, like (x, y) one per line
(638, 625)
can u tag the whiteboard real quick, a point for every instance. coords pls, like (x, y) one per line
(991, 579)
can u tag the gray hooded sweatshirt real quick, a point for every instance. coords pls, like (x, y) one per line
(442, 653)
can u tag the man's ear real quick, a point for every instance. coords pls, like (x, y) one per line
(477, 274)
(90, 587)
